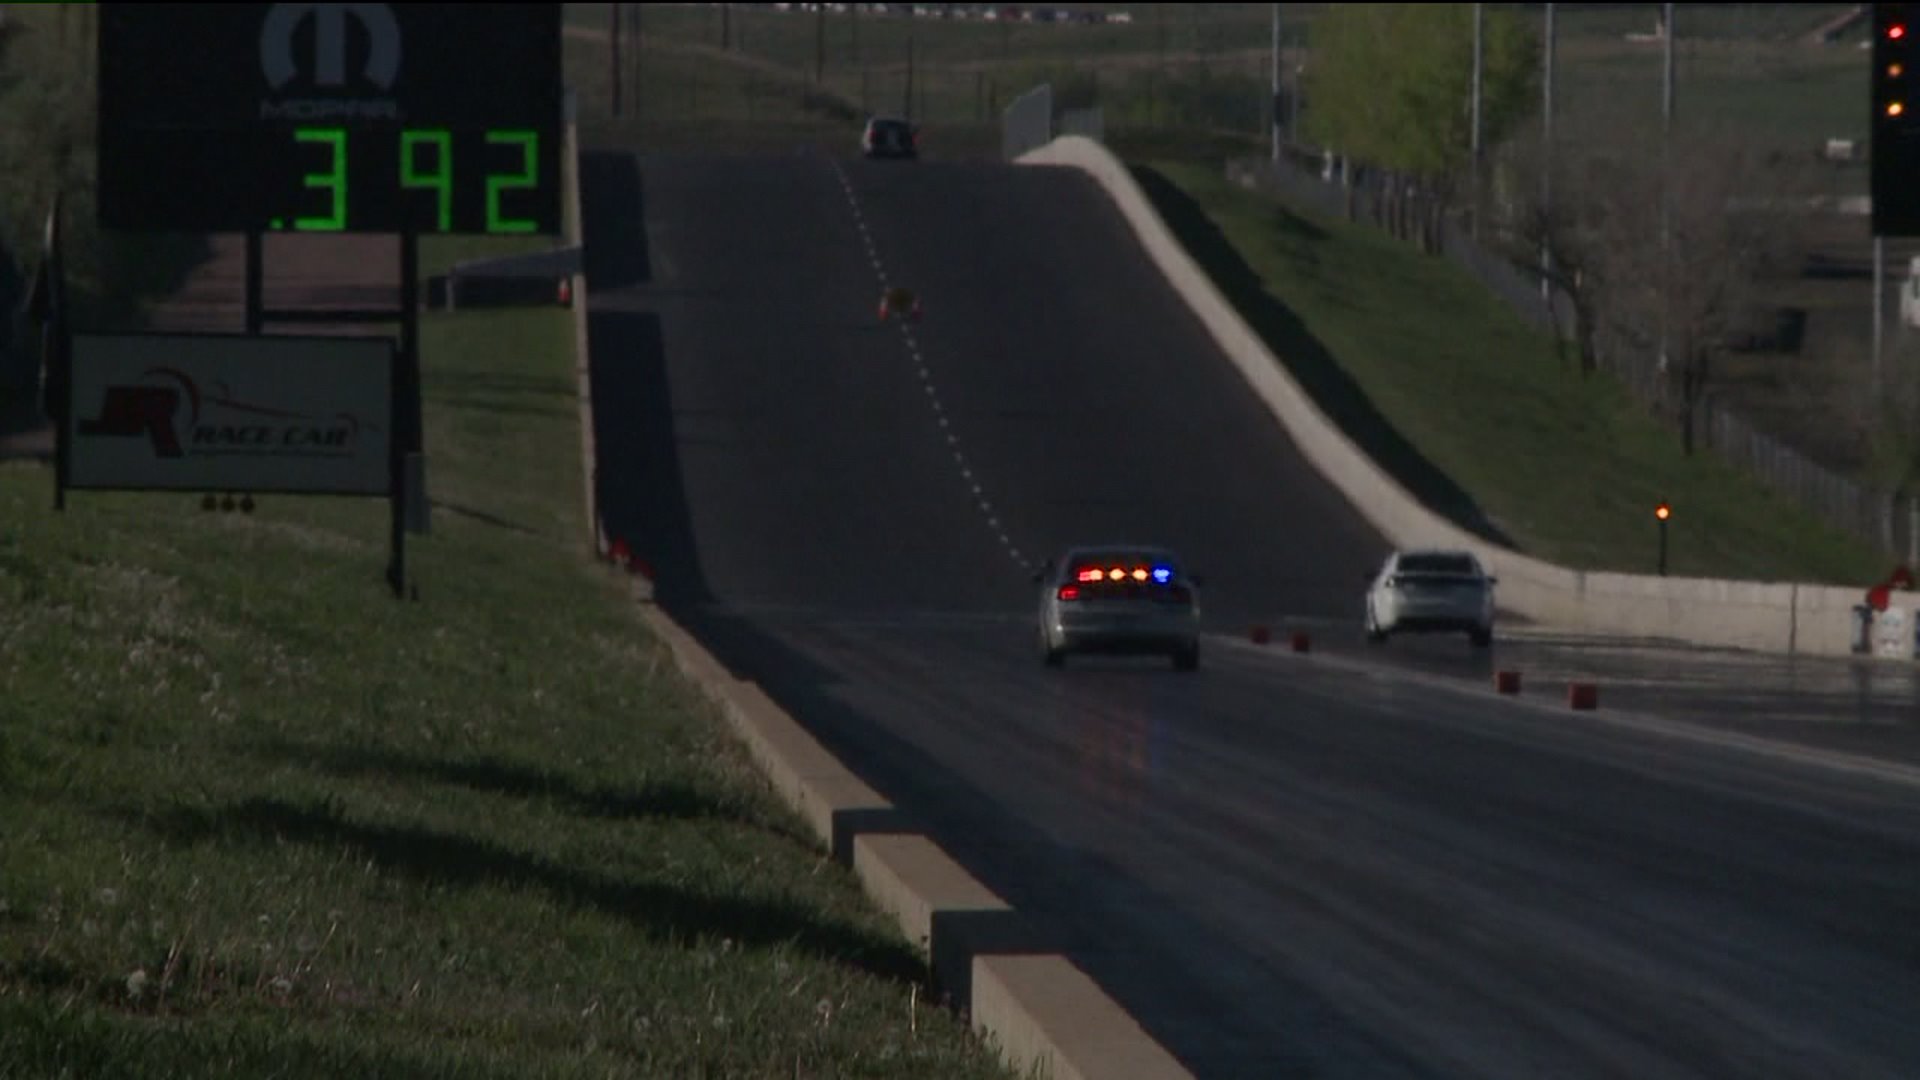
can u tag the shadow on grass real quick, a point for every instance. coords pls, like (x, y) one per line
(677, 800)
(1316, 369)
(484, 518)
(503, 395)
(663, 912)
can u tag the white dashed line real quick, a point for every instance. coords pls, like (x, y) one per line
(926, 375)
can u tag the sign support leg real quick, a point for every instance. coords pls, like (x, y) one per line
(256, 274)
(408, 421)
(410, 339)
(397, 482)
(56, 354)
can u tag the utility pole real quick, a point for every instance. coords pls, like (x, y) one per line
(1666, 182)
(1479, 26)
(820, 44)
(1879, 301)
(1276, 84)
(613, 39)
(908, 111)
(634, 46)
(1546, 168)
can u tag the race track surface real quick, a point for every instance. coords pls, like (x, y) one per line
(1352, 863)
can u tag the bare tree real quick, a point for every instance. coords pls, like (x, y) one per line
(1883, 412)
(1732, 218)
(1575, 229)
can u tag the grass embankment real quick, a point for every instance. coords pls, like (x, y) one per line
(1407, 352)
(257, 818)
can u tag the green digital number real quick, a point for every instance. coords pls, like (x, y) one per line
(440, 177)
(527, 177)
(334, 179)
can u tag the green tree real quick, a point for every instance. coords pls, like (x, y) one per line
(1392, 84)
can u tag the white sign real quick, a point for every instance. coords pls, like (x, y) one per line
(1893, 634)
(214, 413)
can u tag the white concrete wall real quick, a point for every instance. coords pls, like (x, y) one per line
(1740, 614)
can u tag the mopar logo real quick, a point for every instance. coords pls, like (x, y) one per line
(330, 43)
(381, 33)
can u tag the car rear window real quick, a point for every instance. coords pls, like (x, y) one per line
(1449, 565)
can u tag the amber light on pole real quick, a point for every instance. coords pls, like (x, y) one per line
(1660, 514)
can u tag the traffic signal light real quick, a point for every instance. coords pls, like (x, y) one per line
(1663, 512)
(1895, 149)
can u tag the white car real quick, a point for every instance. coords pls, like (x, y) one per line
(1430, 590)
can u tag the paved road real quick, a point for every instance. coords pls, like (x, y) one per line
(1352, 863)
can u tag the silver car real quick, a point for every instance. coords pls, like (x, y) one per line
(1430, 590)
(1119, 599)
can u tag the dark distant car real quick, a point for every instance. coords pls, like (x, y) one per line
(887, 137)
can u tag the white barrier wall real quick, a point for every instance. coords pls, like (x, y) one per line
(1788, 618)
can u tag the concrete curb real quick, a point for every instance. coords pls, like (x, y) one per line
(1767, 617)
(1047, 1017)
(577, 293)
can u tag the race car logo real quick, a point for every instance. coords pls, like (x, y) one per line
(130, 411)
(169, 410)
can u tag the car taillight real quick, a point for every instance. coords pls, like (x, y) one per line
(1069, 592)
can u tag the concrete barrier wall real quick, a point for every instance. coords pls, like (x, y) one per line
(1788, 618)
(577, 294)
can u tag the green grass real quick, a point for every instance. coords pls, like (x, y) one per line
(1408, 352)
(262, 819)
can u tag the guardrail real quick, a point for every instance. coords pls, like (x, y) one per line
(1788, 617)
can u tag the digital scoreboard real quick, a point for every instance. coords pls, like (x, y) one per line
(356, 117)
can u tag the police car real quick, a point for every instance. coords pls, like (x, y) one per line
(1119, 599)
